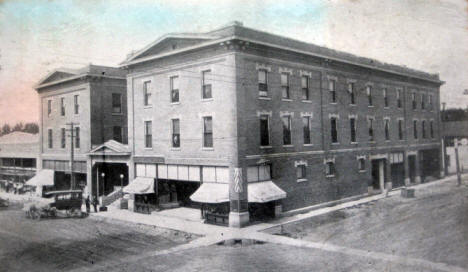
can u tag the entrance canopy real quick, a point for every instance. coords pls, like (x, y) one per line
(42, 178)
(140, 185)
(211, 193)
(265, 191)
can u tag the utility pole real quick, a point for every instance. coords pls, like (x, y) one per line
(72, 149)
(457, 162)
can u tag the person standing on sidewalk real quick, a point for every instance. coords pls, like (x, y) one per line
(95, 202)
(87, 203)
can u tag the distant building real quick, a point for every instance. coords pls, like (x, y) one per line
(19, 152)
(452, 130)
(94, 99)
(246, 123)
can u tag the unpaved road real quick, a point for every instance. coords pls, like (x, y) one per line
(65, 244)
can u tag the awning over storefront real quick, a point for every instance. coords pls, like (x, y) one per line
(140, 185)
(211, 193)
(44, 177)
(265, 191)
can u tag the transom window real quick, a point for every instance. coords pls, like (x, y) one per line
(174, 81)
(285, 85)
(259, 173)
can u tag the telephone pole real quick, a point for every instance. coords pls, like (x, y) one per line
(72, 149)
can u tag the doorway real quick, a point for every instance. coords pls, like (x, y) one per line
(378, 174)
(412, 168)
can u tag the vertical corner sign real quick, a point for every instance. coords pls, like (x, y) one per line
(238, 182)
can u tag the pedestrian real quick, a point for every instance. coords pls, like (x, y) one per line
(95, 202)
(87, 203)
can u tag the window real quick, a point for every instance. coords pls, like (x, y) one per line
(369, 94)
(430, 102)
(63, 138)
(423, 101)
(332, 88)
(76, 104)
(415, 129)
(50, 138)
(306, 129)
(148, 134)
(400, 129)
(262, 83)
(207, 131)
(413, 100)
(305, 87)
(362, 164)
(147, 93)
(285, 85)
(370, 124)
(62, 106)
(174, 81)
(258, 173)
(206, 85)
(423, 129)
(77, 137)
(385, 95)
(301, 172)
(286, 129)
(352, 94)
(352, 125)
(175, 133)
(49, 107)
(334, 130)
(264, 130)
(117, 134)
(116, 103)
(431, 128)
(387, 129)
(330, 170)
(399, 104)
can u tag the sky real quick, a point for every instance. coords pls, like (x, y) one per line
(39, 36)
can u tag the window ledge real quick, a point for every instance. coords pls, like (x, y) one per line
(175, 148)
(387, 108)
(208, 148)
(335, 143)
(148, 148)
(117, 114)
(286, 99)
(302, 180)
(147, 107)
(264, 98)
(362, 171)
(370, 106)
(329, 176)
(265, 146)
(308, 144)
(353, 105)
(289, 145)
(333, 103)
(206, 99)
(175, 103)
(354, 143)
(372, 142)
(307, 101)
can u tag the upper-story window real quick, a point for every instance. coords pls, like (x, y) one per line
(400, 129)
(286, 120)
(116, 103)
(76, 103)
(352, 93)
(49, 107)
(285, 85)
(207, 131)
(413, 100)
(423, 101)
(147, 93)
(258, 173)
(148, 134)
(423, 129)
(306, 129)
(50, 138)
(398, 94)
(63, 138)
(264, 130)
(262, 82)
(330, 169)
(305, 81)
(387, 129)
(174, 81)
(332, 88)
(176, 133)
(370, 125)
(362, 164)
(77, 137)
(117, 134)
(431, 128)
(206, 85)
(334, 129)
(369, 95)
(430, 102)
(352, 126)
(385, 96)
(62, 106)
(415, 129)
(301, 172)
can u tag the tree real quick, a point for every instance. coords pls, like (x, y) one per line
(31, 128)
(18, 127)
(454, 115)
(6, 129)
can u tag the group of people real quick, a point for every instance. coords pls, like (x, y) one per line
(88, 202)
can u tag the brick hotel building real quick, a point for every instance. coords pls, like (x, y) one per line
(244, 123)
